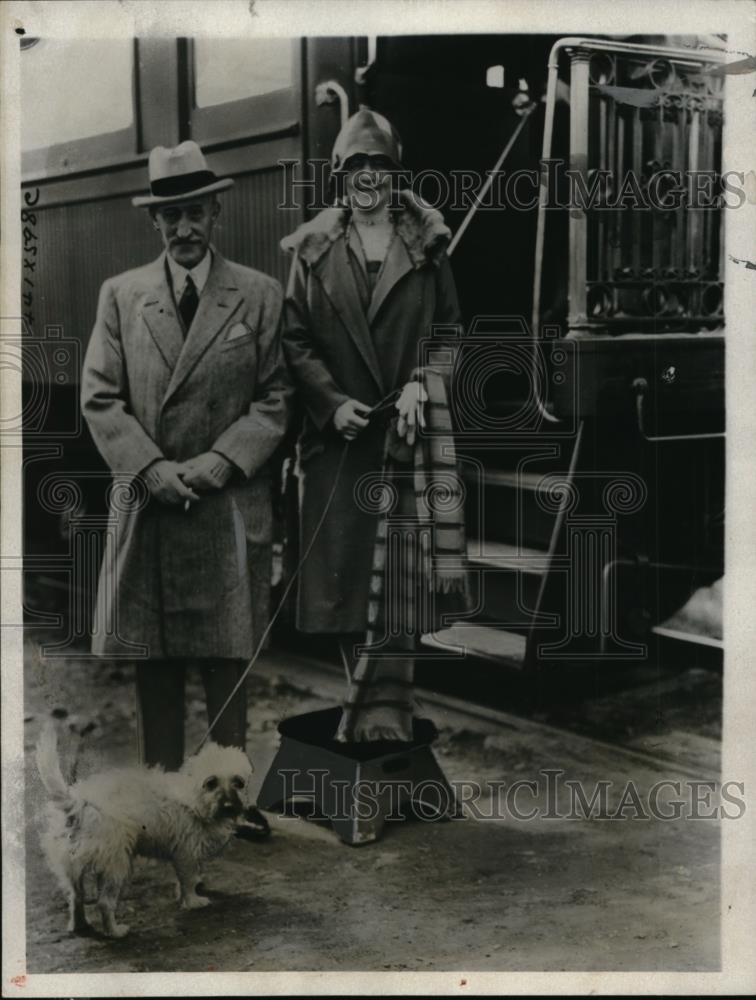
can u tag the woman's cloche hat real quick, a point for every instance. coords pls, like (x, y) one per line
(369, 134)
(179, 173)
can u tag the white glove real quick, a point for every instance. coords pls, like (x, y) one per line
(410, 409)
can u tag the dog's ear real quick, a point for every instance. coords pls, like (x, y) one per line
(214, 760)
(200, 762)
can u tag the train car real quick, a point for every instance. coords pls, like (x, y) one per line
(589, 401)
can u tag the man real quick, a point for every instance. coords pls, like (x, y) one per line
(185, 392)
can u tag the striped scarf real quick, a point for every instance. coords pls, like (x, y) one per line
(419, 557)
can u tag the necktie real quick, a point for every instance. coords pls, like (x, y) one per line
(189, 302)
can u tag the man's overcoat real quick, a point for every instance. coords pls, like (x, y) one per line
(338, 350)
(177, 583)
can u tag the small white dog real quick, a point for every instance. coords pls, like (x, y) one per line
(98, 825)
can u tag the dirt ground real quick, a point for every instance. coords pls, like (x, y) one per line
(481, 894)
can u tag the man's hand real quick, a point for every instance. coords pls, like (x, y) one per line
(410, 408)
(164, 482)
(350, 418)
(208, 471)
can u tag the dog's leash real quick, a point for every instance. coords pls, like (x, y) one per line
(385, 404)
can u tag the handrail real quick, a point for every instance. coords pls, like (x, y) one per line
(641, 388)
(330, 91)
(556, 531)
(361, 73)
(526, 113)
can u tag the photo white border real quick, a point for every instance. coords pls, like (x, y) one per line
(236, 18)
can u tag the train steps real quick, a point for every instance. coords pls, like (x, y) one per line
(678, 635)
(509, 506)
(483, 641)
(509, 528)
(505, 580)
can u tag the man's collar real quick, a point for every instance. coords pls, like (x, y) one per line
(199, 273)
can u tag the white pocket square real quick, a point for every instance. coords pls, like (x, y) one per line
(238, 330)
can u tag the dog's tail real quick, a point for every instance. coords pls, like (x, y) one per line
(48, 765)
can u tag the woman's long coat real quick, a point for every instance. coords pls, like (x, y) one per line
(178, 583)
(337, 351)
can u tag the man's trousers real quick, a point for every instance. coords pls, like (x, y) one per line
(160, 686)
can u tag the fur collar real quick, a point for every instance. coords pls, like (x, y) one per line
(421, 228)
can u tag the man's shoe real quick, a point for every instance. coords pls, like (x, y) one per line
(252, 825)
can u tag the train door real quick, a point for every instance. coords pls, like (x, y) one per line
(458, 104)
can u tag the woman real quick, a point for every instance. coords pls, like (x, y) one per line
(369, 282)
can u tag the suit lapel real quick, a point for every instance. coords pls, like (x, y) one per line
(160, 316)
(219, 301)
(395, 266)
(334, 273)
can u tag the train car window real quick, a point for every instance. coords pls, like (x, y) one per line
(79, 96)
(242, 88)
(230, 69)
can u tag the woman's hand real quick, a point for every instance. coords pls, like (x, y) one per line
(350, 418)
(410, 409)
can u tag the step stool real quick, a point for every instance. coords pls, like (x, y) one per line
(358, 787)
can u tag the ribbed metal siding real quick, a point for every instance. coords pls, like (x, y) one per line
(251, 225)
(81, 245)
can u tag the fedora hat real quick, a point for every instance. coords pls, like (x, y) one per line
(179, 173)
